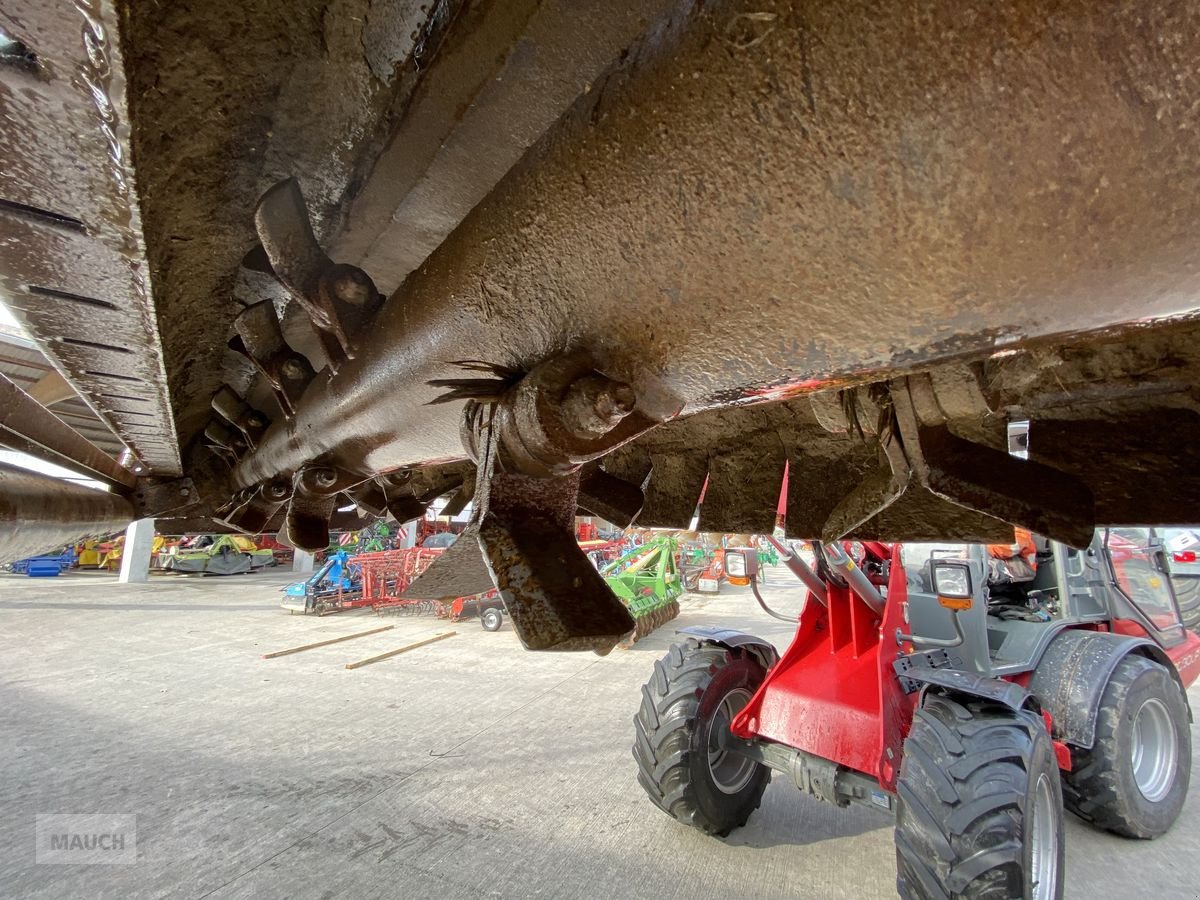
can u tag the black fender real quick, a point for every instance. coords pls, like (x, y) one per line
(957, 683)
(763, 650)
(1069, 680)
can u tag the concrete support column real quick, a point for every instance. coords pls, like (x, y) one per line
(135, 556)
(302, 561)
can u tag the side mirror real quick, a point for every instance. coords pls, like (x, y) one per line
(741, 562)
(952, 584)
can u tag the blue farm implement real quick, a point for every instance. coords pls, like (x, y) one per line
(336, 585)
(44, 566)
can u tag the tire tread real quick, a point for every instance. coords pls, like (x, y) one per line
(663, 729)
(1093, 788)
(961, 795)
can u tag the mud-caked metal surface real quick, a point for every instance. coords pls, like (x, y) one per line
(39, 514)
(72, 255)
(521, 536)
(754, 221)
(551, 591)
(765, 201)
(227, 99)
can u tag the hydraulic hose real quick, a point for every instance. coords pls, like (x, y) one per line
(859, 583)
(763, 603)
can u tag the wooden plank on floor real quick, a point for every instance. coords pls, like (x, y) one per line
(337, 640)
(398, 651)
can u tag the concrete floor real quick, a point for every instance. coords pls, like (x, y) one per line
(467, 768)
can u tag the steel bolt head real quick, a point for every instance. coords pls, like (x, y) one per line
(594, 404)
(277, 490)
(293, 369)
(352, 286)
(324, 477)
(617, 401)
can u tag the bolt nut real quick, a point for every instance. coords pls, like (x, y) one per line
(351, 285)
(321, 479)
(616, 402)
(277, 490)
(399, 478)
(594, 405)
(293, 369)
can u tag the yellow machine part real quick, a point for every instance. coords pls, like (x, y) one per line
(87, 555)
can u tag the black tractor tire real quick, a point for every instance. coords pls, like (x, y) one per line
(1187, 594)
(975, 776)
(1141, 728)
(491, 619)
(692, 695)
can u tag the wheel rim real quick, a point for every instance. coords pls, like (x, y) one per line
(1043, 832)
(1154, 750)
(730, 771)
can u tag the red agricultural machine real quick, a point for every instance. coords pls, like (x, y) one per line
(379, 580)
(925, 683)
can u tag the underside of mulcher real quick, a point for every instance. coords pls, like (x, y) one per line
(547, 256)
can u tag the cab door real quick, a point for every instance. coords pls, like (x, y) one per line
(1141, 586)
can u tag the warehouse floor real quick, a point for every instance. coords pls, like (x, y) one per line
(465, 768)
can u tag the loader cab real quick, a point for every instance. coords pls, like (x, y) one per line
(1136, 584)
(1004, 624)
(1119, 580)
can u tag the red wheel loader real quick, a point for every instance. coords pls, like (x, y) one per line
(972, 707)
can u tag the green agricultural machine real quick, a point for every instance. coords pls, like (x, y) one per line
(217, 554)
(646, 579)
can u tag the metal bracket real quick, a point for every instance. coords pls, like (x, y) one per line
(975, 476)
(370, 497)
(555, 597)
(314, 497)
(339, 299)
(253, 508)
(224, 441)
(252, 423)
(881, 487)
(561, 414)
(522, 531)
(260, 339)
(408, 492)
(609, 497)
(928, 659)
